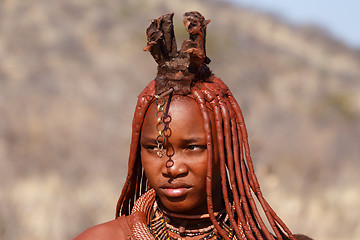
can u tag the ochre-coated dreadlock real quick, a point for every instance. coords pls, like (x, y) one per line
(185, 71)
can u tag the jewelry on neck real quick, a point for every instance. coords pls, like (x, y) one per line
(157, 229)
(161, 227)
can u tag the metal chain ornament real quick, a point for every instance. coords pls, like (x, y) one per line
(160, 125)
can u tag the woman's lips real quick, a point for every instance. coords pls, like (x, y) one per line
(175, 189)
(175, 192)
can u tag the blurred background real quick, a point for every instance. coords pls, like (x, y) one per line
(70, 73)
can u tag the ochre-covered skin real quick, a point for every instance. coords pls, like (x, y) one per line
(185, 74)
(181, 185)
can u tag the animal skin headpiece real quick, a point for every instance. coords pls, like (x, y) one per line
(178, 69)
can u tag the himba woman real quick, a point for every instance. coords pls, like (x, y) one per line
(190, 172)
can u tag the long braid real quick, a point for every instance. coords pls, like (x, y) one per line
(144, 100)
(245, 172)
(270, 214)
(254, 210)
(199, 97)
(211, 97)
(229, 150)
(249, 194)
(233, 167)
(242, 213)
(230, 141)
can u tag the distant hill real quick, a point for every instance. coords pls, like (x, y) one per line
(70, 74)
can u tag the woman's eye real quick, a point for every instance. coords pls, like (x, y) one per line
(196, 147)
(150, 147)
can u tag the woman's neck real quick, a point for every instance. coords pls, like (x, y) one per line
(189, 222)
(184, 226)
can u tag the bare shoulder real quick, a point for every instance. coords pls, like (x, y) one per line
(115, 229)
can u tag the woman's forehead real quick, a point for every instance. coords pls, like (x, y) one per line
(183, 117)
(176, 107)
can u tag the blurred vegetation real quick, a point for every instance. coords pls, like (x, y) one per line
(70, 74)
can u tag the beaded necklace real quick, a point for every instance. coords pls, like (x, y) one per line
(161, 229)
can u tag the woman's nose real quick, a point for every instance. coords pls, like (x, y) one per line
(174, 168)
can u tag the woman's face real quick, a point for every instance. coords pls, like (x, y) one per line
(182, 186)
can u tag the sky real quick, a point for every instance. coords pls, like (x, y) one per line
(340, 18)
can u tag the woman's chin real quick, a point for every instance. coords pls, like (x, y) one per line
(178, 206)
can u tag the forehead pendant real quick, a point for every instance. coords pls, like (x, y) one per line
(160, 125)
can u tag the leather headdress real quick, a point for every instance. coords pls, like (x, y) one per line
(178, 69)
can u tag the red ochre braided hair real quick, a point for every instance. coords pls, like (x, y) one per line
(186, 73)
